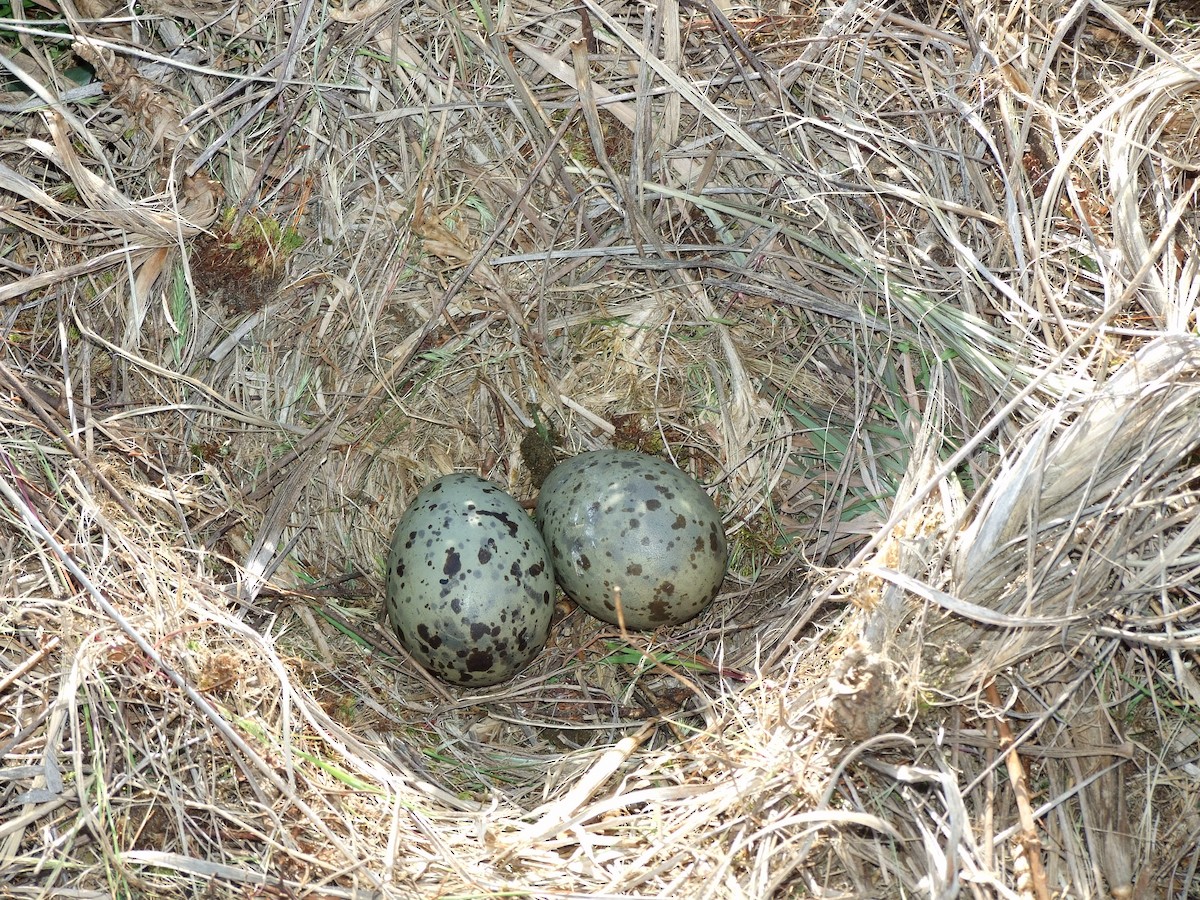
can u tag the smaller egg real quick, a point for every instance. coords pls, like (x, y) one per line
(470, 591)
(614, 519)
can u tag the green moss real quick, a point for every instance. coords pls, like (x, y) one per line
(241, 264)
(537, 449)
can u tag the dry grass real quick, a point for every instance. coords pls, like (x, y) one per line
(912, 289)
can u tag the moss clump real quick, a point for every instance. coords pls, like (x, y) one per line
(241, 264)
(537, 450)
(632, 434)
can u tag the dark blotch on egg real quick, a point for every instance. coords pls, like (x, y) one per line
(479, 661)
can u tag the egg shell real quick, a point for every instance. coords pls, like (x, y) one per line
(614, 518)
(470, 590)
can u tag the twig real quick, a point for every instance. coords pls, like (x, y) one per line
(31, 661)
(1027, 846)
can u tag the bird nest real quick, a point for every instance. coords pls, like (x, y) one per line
(910, 291)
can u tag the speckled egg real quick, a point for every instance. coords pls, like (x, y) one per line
(469, 586)
(613, 518)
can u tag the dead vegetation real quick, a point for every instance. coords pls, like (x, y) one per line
(911, 288)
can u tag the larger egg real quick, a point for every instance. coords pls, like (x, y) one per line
(470, 590)
(625, 525)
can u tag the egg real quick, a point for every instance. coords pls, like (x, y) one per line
(470, 590)
(614, 519)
